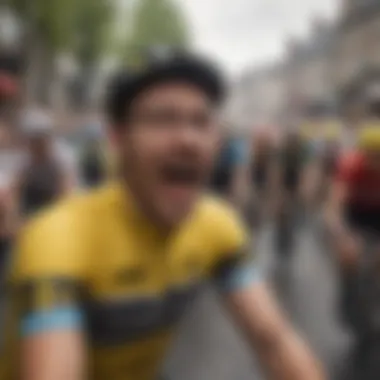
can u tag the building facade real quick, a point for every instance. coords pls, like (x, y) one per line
(309, 71)
(258, 97)
(359, 39)
(281, 93)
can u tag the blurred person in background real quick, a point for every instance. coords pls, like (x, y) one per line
(321, 165)
(47, 174)
(95, 159)
(328, 159)
(67, 155)
(100, 282)
(291, 160)
(230, 175)
(262, 161)
(93, 163)
(10, 161)
(353, 219)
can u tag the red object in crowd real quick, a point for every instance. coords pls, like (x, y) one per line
(361, 179)
(8, 86)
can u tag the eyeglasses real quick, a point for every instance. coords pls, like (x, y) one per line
(173, 118)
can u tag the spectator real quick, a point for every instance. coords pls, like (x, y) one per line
(45, 176)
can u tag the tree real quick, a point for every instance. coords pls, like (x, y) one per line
(93, 35)
(156, 22)
(53, 26)
(46, 30)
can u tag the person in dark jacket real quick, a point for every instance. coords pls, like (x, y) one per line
(230, 177)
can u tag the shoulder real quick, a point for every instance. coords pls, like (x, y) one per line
(59, 239)
(221, 225)
(227, 250)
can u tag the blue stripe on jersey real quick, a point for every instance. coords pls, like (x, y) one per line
(240, 278)
(56, 319)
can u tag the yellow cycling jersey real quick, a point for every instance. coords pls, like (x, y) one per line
(96, 264)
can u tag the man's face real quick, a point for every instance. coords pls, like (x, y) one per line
(168, 149)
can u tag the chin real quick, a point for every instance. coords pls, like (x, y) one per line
(172, 218)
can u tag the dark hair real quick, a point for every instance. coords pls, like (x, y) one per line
(116, 100)
(127, 85)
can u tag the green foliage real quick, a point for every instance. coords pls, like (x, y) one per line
(156, 22)
(85, 26)
(79, 25)
(93, 28)
(51, 20)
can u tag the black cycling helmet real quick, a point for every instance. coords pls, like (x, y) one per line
(162, 65)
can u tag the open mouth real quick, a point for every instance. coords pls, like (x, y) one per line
(181, 175)
(181, 180)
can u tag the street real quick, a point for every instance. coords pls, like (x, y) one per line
(209, 348)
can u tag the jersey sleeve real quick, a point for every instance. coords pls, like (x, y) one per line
(235, 266)
(47, 275)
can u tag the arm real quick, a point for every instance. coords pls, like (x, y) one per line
(52, 345)
(45, 321)
(281, 352)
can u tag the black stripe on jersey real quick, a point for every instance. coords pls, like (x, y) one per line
(124, 321)
(231, 263)
(44, 294)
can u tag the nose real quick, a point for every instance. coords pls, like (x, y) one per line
(187, 136)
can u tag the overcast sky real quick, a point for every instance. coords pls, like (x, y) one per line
(246, 33)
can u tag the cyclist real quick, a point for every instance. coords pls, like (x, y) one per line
(230, 171)
(262, 161)
(100, 281)
(353, 213)
(290, 163)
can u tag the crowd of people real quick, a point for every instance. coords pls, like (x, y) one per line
(101, 248)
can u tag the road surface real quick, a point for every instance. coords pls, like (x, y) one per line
(209, 348)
